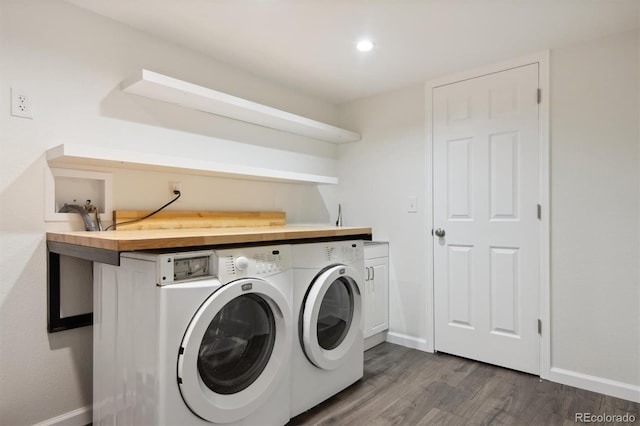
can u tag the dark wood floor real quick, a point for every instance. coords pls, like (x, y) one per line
(408, 387)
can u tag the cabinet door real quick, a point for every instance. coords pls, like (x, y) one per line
(368, 301)
(376, 296)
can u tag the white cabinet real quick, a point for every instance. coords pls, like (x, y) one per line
(376, 293)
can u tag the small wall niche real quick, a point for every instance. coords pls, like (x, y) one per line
(73, 186)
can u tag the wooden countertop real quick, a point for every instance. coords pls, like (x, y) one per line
(130, 240)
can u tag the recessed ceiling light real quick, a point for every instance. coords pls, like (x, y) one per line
(364, 45)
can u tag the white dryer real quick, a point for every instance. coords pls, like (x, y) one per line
(327, 354)
(194, 338)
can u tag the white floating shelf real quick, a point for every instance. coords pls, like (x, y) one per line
(72, 155)
(168, 89)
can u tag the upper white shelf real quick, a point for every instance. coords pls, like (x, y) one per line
(67, 155)
(168, 89)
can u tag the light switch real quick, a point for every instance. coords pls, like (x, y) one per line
(412, 206)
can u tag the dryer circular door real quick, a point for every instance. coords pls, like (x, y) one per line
(235, 351)
(331, 316)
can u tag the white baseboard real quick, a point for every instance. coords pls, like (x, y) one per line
(408, 341)
(595, 384)
(79, 417)
(375, 340)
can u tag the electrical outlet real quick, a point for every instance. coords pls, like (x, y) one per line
(20, 104)
(174, 186)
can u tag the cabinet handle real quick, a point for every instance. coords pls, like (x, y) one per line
(373, 273)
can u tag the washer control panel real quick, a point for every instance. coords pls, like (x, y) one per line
(232, 264)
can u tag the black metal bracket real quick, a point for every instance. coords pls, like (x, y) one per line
(54, 250)
(55, 323)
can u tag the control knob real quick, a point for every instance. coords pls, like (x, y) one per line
(242, 263)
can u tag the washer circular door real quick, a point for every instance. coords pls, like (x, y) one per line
(331, 316)
(235, 350)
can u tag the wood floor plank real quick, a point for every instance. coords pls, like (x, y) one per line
(439, 417)
(403, 386)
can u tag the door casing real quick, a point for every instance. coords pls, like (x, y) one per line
(543, 59)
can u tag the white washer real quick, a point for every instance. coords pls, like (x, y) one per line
(194, 338)
(327, 354)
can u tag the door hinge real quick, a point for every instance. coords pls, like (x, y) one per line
(539, 212)
(539, 95)
(539, 326)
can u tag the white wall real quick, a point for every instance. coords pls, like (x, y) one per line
(595, 209)
(377, 176)
(71, 62)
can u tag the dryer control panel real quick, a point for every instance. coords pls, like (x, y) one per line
(232, 264)
(349, 252)
(319, 255)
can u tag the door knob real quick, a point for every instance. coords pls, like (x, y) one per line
(439, 232)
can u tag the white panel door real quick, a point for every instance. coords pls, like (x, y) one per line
(485, 186)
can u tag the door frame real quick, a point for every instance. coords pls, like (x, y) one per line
(543, 60)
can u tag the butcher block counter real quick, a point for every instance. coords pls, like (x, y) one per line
(185, 229)
(149, 239)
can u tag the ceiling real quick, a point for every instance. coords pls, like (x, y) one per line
(309, 45)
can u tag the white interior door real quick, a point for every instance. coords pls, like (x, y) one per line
(485, 187)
